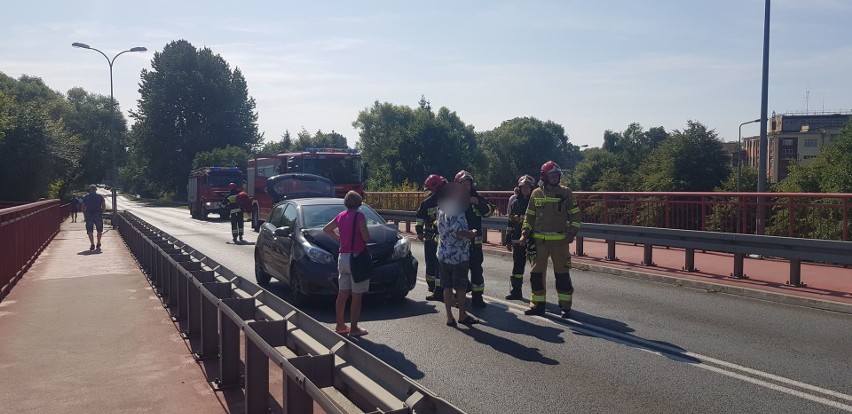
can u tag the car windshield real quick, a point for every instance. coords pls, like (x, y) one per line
(293, 186)
(338, 170)
(316, 216)
(224, 180)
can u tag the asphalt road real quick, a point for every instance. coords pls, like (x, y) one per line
(631, 346)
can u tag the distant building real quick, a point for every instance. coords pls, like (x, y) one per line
(794, 137)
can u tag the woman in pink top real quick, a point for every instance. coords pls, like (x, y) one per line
(344, 223)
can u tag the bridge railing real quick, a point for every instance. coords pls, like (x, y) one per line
(25, 230)
(317, 367)
(800, 215)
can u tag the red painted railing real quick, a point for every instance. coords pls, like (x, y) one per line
(25, 230)
(803, 215)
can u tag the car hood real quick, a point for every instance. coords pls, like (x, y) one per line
(382, 240)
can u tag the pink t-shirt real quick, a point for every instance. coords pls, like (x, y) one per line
(344, 225)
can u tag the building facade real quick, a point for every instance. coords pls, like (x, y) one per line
(794, 138)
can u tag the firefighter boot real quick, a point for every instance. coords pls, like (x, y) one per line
(437, 295)
(538, 310)
(517, 283)
(539, 295)
(476, 300)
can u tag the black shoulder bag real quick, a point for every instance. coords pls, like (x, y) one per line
(360, 264)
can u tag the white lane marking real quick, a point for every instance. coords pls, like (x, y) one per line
(669, 351)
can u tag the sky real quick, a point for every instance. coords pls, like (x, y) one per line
(588, 65)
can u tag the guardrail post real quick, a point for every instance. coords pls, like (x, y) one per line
(257, 363)
(210, 320)
(229, 341)
(579, 245)
(171, 279)
(193, 301)
(319, 370)
(610, 250)
(739, 258)
(183, 277)
(689, 260)
(796, 273)
(647, 257)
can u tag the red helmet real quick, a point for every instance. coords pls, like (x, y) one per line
(434, 182)
(463, 175)
(550, 167)
(526, 180)
(232, 186)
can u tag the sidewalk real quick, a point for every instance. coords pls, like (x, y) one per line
(82, 332)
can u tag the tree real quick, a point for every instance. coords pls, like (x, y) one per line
(596, 161)
(88, 117)
(222, 157)
(191, 101)
(688, 160)
(404, 144)
(520, 146)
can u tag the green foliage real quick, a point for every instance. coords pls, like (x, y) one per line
(222, 157)
(191, 101)
(520, 146)
(402, 144)
(590, 170)
(688, 160)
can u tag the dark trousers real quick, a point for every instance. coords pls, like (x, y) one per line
(519, 259)
(237, 224)
(433, 278)
(477, 281)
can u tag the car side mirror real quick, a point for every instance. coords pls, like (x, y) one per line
(285, 231)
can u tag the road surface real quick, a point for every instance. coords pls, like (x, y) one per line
(631, 345)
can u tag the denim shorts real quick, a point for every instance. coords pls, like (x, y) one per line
(454, 275)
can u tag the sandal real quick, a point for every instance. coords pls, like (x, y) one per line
(469, 320)
(359, 332)
(451, 323)
(344, 331)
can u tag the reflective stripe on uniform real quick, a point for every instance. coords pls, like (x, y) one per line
(551, 237)
(565, 297)
(477, 288)
(576, 224)
(430, 278)
(530, 212)
(574, 210)
(518, 276)
(437, 282)
(538, 298)
(419, 222)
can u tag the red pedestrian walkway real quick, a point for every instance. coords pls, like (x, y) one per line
(82, 332)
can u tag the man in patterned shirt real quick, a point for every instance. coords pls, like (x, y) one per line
(454, 239)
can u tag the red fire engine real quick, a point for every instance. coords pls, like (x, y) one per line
(343, 166)
(207, 189)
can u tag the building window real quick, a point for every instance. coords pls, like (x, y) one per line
(809, 157)
(787, 151)
(810, 142)
(787, 142)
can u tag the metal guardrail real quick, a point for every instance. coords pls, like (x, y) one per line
(318, 366)
(25, 231)
(793, 249)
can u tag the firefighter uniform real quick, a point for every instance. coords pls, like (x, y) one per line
(552, 217)
(517, 212)
(425, 227)
(235, 213)
(474, 215)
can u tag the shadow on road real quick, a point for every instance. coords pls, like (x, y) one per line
(501, 318)
(89, 252)
(373, 309)
(392, 357)
(508, 346)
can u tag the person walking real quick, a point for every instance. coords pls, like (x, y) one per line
(94, 206)
(235, 213)
(552, 221)
(75, 207)
(454, 237)
(479, 208)
(425, 228)
(352, 235)
(516, 212)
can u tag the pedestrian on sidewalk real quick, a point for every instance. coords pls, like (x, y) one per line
(352, 235)
(552, 221)
(454, 240)
(516, 212)
(94, 206)
(425, 227)
(75, 207)
(235, 213)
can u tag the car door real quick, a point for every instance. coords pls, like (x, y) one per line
(267, 242)
(286, 243)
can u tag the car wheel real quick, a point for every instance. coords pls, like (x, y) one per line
(299, 299)
(255, 219)
(204, 215)
(260, 274)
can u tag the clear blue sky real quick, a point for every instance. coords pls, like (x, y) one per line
(589, 65)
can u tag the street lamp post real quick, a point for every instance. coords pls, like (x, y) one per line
(764, 108)
(740, 153)
(111, 113)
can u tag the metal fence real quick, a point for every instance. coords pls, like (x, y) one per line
(800, 215)
(25, 231)
(318, 368)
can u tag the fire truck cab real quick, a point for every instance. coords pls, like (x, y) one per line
(207, 189)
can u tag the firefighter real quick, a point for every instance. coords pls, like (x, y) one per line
(516, 212)
(552, 221)
(479, 208)
(426, 232)
(235, 213)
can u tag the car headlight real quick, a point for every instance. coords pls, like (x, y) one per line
(208, 204)
(401, 248)
(318, 255)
